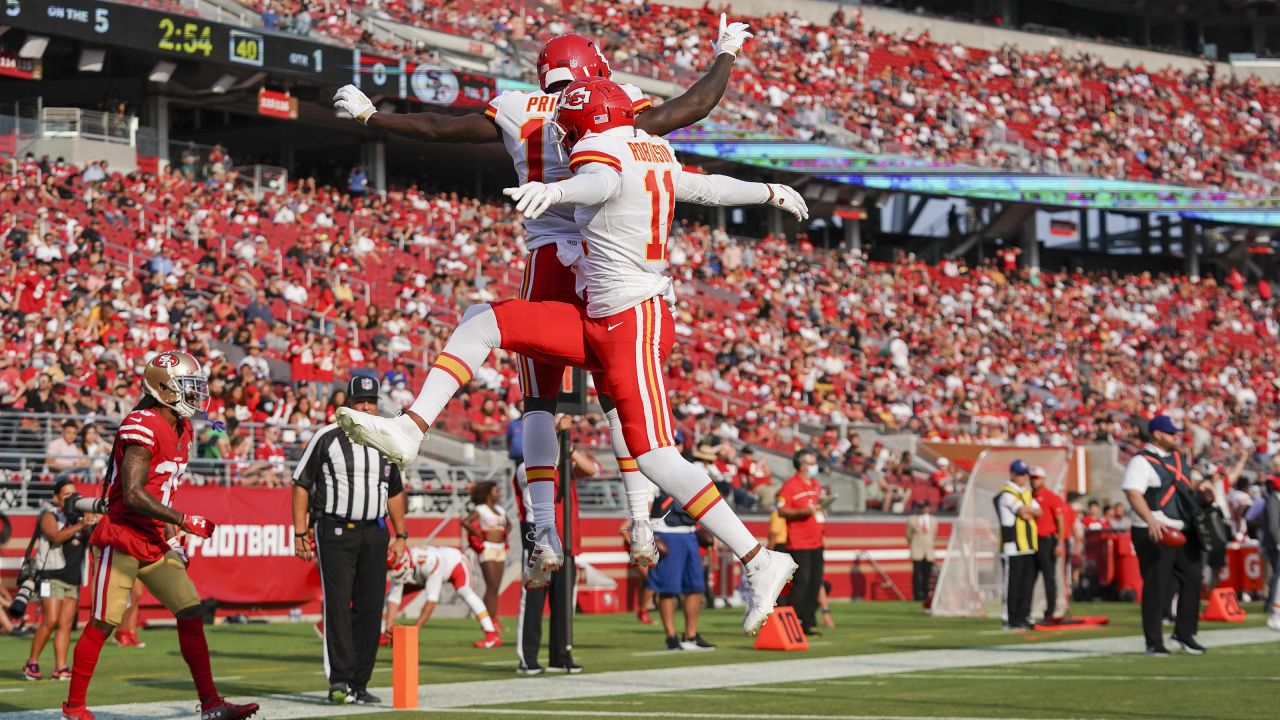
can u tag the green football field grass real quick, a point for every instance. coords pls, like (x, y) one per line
(258, 660)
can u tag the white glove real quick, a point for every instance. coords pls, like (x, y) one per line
(786, 198)
(534, 198)
(353, 102)
(730, 38)
(175, 544)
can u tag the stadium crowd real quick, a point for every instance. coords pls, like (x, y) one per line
(776, 339)
(840, 81)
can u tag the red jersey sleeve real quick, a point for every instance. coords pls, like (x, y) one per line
(139, 428)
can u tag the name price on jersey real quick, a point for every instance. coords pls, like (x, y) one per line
(188, 38)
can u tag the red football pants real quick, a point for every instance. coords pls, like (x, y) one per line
(631, 347)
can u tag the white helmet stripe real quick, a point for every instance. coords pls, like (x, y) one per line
(557, 75)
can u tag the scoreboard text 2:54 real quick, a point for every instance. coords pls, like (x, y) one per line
(180, 36)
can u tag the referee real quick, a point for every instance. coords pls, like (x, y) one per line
(345, 495)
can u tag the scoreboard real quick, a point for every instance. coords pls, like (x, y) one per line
(181, 37)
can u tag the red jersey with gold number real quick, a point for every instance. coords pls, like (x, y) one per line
(122, 528)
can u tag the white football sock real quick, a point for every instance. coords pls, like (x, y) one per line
(692, 487)
(478, 609)
(466, 350)
(541, 456)
(633, 480)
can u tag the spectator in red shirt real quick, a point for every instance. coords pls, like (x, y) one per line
(755, 474)
(1093, 519)
(486, 422)
(800, 503)
(1051, 527)
(271, 457)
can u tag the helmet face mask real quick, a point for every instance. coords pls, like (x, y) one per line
(402, 570)
(175, 380)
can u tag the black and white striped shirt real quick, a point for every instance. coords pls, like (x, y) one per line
(346, 481)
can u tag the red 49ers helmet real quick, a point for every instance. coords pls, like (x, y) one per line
(592, 105)
(567, 58)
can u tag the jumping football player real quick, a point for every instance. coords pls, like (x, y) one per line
(522, 121)
(429, 567)
(138, 538)
(625, 186)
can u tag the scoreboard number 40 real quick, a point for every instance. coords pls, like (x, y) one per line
(246, 48)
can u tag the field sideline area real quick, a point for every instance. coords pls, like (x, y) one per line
(894, 662)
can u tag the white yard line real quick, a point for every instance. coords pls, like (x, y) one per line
(480, 696)
(490, 711)
(901, 638)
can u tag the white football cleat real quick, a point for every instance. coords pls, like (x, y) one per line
(546, 558)
(644, 551)
(767, 574)
(1273, 622)
(398, 438)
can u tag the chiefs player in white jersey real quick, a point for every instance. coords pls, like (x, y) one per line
(624, 187)
(429, 567)
(137, 539)
(522, 121)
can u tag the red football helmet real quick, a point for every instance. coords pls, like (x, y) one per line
(570, 57)
(592, 105)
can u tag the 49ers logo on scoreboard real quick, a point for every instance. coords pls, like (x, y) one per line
(576, 99)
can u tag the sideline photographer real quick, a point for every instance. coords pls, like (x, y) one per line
(55, 571)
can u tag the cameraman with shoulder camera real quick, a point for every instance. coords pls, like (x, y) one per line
(57, 570)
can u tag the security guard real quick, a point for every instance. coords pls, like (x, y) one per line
(1017, 511)
(1159, 490)
(344, 496)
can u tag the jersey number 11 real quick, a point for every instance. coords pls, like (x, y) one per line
(662, 206)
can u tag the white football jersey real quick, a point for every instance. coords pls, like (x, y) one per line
(431, 562)
(625, 239)
(525, 121)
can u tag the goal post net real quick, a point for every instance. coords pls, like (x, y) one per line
(971, 581)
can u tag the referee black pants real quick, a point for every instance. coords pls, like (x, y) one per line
(353, 574)
(532, 604)
(1166, 571)
(1047, 568)
(805, 586)
(1020, 583)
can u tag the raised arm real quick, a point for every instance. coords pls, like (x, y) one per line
(724, 190)
(593, 184)
(424, 127)
(702, 97)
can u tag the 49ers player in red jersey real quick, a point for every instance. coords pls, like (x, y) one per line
(138, 538)
(523, 122)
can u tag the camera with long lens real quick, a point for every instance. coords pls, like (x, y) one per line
(77, 505)
(26, 588)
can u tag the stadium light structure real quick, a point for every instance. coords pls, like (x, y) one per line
(162, 72)
(223, 84)
(91, 60)
(34, 47)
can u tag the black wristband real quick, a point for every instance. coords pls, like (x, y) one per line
(300, 535)
(402, 536)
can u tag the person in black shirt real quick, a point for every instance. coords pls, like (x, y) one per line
(59, 563)
(344, 498)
